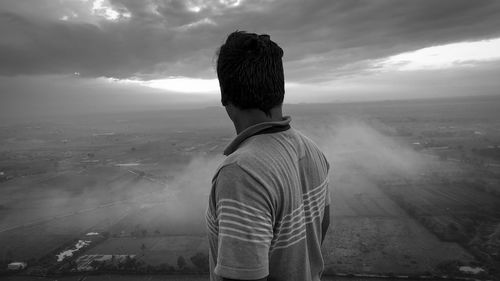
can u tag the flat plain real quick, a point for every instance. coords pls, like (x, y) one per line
(414, 184)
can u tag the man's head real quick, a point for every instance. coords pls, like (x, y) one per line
(250, 72)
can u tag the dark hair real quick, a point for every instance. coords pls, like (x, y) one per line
(250, 71)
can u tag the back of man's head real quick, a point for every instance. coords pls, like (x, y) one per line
(250, 72)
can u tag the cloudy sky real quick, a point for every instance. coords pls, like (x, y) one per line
(126, 53)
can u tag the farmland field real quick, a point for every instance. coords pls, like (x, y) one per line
(370, 234)
(38, 221)
(411, 192)
(155, 250)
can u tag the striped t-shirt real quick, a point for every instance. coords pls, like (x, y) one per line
(266, 206)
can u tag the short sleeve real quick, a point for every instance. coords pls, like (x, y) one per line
(244, 219)
(327, 194)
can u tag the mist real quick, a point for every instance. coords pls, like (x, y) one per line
(353, 149)
(353, 146)
(356, 149)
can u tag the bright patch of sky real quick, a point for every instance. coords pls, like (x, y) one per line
(177, 84)
(68, 16)
(103, 8)
(445, 56)
(195, 7)
(205, 21)
(231, 3)
(187, 85)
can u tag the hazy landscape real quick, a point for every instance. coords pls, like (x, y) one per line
(111, 127)
(415, 189)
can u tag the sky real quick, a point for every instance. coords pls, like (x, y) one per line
(84, 55)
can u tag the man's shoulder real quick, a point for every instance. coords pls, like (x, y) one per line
(313, 148)
(230, 164)
(244, 161)
(305, 139)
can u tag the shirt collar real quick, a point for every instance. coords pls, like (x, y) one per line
(260, 128)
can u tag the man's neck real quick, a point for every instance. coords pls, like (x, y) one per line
(252, 117)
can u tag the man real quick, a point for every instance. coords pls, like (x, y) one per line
(269, 207)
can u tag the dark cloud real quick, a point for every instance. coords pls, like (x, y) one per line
(163, 38)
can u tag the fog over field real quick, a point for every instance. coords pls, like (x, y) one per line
(351, 146)
(407, 185)
(354, 144)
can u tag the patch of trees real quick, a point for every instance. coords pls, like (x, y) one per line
(181, 262)
(200, 260)
(133, 265)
